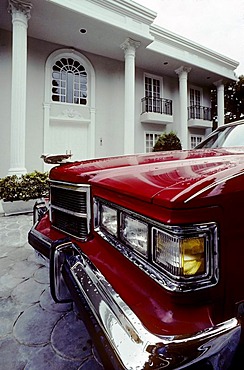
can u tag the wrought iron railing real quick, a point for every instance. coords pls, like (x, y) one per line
(156, 105)
(199, 112)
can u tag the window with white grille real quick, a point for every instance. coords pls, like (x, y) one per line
(69, 81)
(195, 103)
(153, 94)
(195, 140)
(150, 140)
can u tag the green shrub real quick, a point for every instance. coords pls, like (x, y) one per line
(168, 141)
(29, 186)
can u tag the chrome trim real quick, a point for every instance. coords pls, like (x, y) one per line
(148, 264)
(134, 345)
(137, 260)
(58, 184)
(82, 188)
(43, 239)
(40, 208)
(40, 242)
(210, 277)
(64, 210)
(58, 288)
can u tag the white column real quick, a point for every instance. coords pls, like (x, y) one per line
(20, 14)
(220, 102)
(129, 47)
(182, 72)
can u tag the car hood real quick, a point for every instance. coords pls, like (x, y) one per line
(170, 179)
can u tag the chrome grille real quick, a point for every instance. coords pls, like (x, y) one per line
(70, 208)
(69, 199)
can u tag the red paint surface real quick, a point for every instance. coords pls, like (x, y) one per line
(153, 305)
(175, 188)
(164, 179)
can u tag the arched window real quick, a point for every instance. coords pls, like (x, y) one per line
(69, 81)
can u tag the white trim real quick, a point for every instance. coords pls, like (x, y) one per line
(196, 136)
(148, 132)
(70, 53)
(186, 45)
(48, 104)
(121, 8)
(193, 87)
(156, 77)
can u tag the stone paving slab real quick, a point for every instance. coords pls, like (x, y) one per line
(35, 332)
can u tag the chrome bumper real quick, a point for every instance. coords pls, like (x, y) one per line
(134, 346)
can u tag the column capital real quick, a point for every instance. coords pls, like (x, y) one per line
(182, 70)
(219, 83)
(22, 6)
(130, 45)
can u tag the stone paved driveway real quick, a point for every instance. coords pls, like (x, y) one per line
(35, 332)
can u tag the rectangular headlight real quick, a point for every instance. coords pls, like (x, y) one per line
(109, 219)
(181, 257)
(134, 233)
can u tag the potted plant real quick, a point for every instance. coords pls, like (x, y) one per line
(168, 141)
(19, 193)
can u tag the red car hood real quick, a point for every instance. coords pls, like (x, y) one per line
(166, 178)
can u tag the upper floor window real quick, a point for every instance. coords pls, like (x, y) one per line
(69, 81)
(153, 94)
(195, 103)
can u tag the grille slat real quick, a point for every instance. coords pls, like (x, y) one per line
(70, 224)
(71, 198)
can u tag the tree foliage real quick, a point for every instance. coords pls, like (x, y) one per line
(234, 100)
(168, 141)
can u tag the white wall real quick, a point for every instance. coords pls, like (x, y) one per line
(109, 76)
(5, 98)
(109, 103)
(109, 134)
(38, 52)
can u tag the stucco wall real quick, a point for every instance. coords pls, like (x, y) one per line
(109, 103)
(5, 99)
(38, 52)
(109, 134)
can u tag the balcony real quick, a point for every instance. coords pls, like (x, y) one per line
(199, 116)
(156, 110)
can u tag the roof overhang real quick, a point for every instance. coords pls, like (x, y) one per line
(108, 23)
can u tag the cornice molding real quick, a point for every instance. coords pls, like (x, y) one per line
(163, 35)
(125, 8)
(128, 8)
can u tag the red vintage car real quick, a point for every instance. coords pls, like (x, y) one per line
(150, 248)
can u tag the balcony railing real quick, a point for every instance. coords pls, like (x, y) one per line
(156, 105)
(199, 112)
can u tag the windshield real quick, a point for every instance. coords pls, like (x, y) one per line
(224, 137)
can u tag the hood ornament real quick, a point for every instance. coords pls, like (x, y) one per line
(57, 158)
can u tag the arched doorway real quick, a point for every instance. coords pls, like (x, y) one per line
(69, 106)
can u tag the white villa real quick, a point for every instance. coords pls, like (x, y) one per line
(99, 78)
